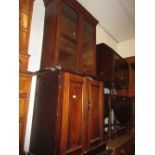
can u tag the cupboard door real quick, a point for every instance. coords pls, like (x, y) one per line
(73, 115)
(88, 48)
(95, 114)
(68, 38)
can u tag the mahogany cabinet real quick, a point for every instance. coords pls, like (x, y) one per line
(111, 67)
(68, 114)
(24, 92)
(69, 38)
(25, 15)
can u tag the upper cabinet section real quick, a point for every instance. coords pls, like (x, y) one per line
(69, 36)
(111, 66)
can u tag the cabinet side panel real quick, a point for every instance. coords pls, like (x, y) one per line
(49, 38)
(45, 115)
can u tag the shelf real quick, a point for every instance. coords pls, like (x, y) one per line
(68, 37)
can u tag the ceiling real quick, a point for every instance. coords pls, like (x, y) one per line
(116, 17)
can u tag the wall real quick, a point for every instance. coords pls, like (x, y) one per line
(36, 35)
(126, 48)
(103, 37)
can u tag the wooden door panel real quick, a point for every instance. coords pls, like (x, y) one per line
(74, 141)
(74, 111)
(95, 114)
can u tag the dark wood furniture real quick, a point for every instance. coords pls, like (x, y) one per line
(131, 88)
(131, 63)
(111, 66)
(25, 15)
(68, 114)
(24, 94)
(122, 107)
(69, 38)
(114, 70)
(123, 145)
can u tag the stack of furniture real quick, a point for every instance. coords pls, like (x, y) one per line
(25, 15)
(69, 100)
(114, 70)
(68, 115)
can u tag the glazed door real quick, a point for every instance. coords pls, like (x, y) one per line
(68, 38)
(95, 114)
(88, 48)
(73, 115)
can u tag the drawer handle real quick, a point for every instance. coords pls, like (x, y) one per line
(74, 96)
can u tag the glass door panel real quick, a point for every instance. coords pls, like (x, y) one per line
(88, 50)
(68, 38)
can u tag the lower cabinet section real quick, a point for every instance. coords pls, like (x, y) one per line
(124, 145)
(68, 114)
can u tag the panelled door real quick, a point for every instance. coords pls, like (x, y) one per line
(73, 137)
(94, 114)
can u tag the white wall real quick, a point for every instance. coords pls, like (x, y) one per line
(36, 35)
(103, 37)
(126, 48)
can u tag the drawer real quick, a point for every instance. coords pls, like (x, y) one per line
(22, 107)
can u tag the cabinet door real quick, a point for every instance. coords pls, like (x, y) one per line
(73, 115)
(88, 48)
(95, 114)
(68, 38)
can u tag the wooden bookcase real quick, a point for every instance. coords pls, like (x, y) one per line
(111, 66)
(69, 38)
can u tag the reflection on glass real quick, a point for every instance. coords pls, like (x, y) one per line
(88, 51)
(68, 38)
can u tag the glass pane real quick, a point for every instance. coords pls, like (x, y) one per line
(68, 38)
(88, 50)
